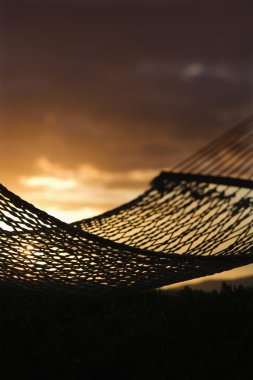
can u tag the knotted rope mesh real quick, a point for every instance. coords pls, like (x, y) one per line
(194, 221)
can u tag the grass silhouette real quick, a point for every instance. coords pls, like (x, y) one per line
(186, 334)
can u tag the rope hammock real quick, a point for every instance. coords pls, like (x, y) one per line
(194, 221)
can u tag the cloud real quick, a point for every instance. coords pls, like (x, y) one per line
(100, 86)
(220, 72)
(85, 173)
(81, 192)
(52, 183)
(194, 70)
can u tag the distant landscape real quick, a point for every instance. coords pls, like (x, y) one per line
(188, 334)
(211, 285)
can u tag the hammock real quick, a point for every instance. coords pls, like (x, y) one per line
(194, 221)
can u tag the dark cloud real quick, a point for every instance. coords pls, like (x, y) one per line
(121, 85)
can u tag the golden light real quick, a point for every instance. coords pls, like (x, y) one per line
(28, 251)
(53, 183)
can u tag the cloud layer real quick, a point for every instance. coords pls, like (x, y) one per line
(118, 87)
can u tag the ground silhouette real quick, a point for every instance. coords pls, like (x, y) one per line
(179, 335)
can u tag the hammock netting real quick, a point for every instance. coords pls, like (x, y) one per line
(193, 221)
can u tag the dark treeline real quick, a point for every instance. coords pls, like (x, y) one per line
(183, 335)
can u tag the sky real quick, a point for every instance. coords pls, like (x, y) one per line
(96, 97)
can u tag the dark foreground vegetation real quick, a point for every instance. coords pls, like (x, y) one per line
(184, 335)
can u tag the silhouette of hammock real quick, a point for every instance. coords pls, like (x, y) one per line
(194, 221)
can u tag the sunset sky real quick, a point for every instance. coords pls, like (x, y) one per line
(98, 96)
